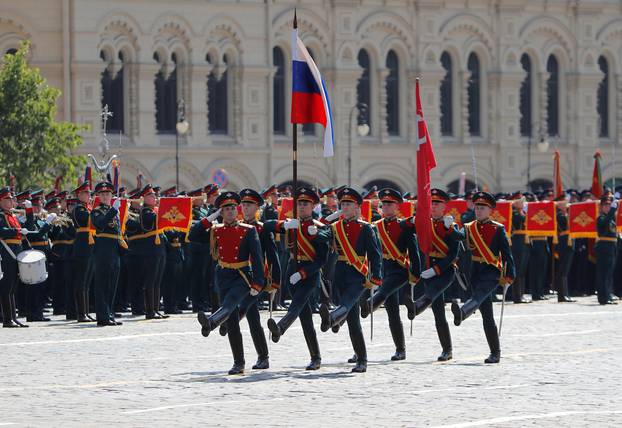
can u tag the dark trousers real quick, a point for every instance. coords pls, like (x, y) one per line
(68, 284)
(349, 286)
(251, 310)
(538, 262)
(199, 280)
(135, 283)
(170, 285)
(107, 267)
(483, 286)
(233, 293)
(605, 265)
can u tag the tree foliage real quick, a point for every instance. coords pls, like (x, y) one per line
(34, 147)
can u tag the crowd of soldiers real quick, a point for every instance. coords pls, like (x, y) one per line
(242, 255)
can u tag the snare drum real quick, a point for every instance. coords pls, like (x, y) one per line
(31, 265)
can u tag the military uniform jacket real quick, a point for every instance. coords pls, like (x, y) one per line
(272, 268)
(564, 241)
(362, 239)
(83, 242)
(174, 251)
(148, 241)
(269, 213)
(11, 234)
(38, 240)
(606, 227)
(132, 228)
(519, 234)
(235, 247)
(445, 246)
(467, 216)
(312, 249)
(108, 230)
(198, 214)
(400, 250)
(490, 249)
(62, 238)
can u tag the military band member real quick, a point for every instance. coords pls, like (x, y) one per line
(82, 251)
(605, 249)
(251, 201)
(61, 237)
(132, 260)
(565, 249)
(198, 257)
(359, 257)
(106, 253)
(521, 247)
(492, 263)
(303, 272)
(442, 269)
(11, 234)
(239, 270)
(400, 266)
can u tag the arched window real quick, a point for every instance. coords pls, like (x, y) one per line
(309, 128)
(525, 98)
(474, 95)
(540, 184)
(278, 84)
(166, 98)
(552, 106)
(363, 87)
(382, 183)
(447, 118)
(603, 98)
(112, 96)
(218, 102)
(393, 94)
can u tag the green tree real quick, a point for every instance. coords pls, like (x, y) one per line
(34, 147)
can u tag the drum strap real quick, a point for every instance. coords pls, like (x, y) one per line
(8, 249)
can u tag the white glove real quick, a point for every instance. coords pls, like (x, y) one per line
(614, 204)
(427, 274)
(312, 230)
(116, 204)
(448, 221)
(525, 208)
(213, 216)
(291, 224)
(254, 292)
(333, 216)
(25, 231)
(27, 204)
(295, 278)
(50, 218)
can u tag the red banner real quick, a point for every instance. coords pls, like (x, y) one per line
(582, 219)
(503, 214)
(175, 214)
(455, 208)
(619, 219)
(286, 210)
(541, 218)
(406, 209)
(366, 211)
(122, 212)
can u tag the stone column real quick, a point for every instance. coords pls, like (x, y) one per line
(196, 107)
(383, 130)
(146, 104)
(463, 78)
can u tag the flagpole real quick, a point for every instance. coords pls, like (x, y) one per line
(295, 170)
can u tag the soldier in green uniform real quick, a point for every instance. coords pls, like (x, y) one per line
(520, 247)
(198, 257)
(606, 249)
(82, 251)
(106, 253)
(565, 249)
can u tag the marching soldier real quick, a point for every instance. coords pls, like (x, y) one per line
(492, 262)
(442, 271)
(303, 271)
(400, 266)
(106, 253)
(359, 256)
(251, 201)
(239, 270)
(198, 257)
(520, 247)
(148, 246)
(565, 248)
(82, 250)
(11, 234)
(606, 249)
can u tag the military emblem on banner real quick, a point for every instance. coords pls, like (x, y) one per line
(619, 219)
(541, 218)
(286, 210)
(455, 208)
(175, 214)
(503, 214)
(582, 219)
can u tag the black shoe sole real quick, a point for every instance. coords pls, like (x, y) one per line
(325, 315)
(455, 309)
(274, 330)
(204, 321)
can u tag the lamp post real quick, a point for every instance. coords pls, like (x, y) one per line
(181, 128)
(362, 130)
(543, 146)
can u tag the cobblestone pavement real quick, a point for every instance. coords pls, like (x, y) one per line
(560, 367)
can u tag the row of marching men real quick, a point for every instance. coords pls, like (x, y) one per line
(373, 265)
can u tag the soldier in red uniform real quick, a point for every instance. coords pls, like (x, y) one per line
(360, 257)
(239, 270)
(303, 271)
(492, 263)
(400, 265)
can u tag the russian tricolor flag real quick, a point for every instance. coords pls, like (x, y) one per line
(310, 103)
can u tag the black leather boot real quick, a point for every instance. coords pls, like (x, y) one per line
(410, 306)
(210, 323)
(368, 306)
(462, 313)
(156, 303)
(334, 318)
(397, 332)
(492, 337)
(562, 293)
(7, 315)
(421, 304)
(14, 313)
(279, 329)
(358, 343)
(444, 336)
(81, 307)
(261, 347)
(314, 351)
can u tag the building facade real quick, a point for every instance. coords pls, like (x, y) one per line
(498, 77)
